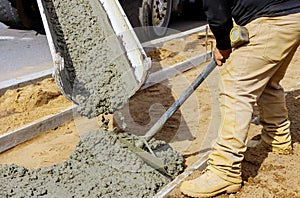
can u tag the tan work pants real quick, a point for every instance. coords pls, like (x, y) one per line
(252, 74)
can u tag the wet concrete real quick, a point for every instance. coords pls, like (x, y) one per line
(97, 74)
(98, 77)
(99, 167)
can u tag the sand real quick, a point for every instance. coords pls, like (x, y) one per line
(264, 174)
(97, 77)
(27, 104)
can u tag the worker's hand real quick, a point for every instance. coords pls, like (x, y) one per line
(221, 55)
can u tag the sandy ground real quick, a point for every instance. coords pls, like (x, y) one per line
(27, 104)
(191, 130)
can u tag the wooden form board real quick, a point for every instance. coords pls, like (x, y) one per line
(11, 139)
(24, 80)
(200, 164)
(34, 129)
(159, 41)
(176, 69)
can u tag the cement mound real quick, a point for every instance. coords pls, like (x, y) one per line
(99, 167)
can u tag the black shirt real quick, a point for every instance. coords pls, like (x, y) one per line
(220, 13)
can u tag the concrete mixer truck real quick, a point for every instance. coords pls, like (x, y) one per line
(155, 13)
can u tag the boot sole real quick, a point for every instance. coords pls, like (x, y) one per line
(229, 189)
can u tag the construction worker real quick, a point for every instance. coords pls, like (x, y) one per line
(250, 74)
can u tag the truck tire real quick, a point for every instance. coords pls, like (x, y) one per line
(9, 15)
(152, 16)
(137, 17)
(160, 14)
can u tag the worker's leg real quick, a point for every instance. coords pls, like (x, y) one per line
(244, 77)
(254, 72)
(276, 135)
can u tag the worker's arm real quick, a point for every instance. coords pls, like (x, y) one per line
(219, 17)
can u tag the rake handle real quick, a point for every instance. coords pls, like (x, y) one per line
(163, 119)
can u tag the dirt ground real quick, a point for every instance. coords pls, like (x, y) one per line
(191, 130)
(27, 104)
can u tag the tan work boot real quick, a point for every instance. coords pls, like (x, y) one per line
(286, 149)
(207, 185)
(282, 149)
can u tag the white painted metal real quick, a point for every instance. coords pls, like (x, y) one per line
(47, 29)
(124, 33)
(133, 48)
(140, 63)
